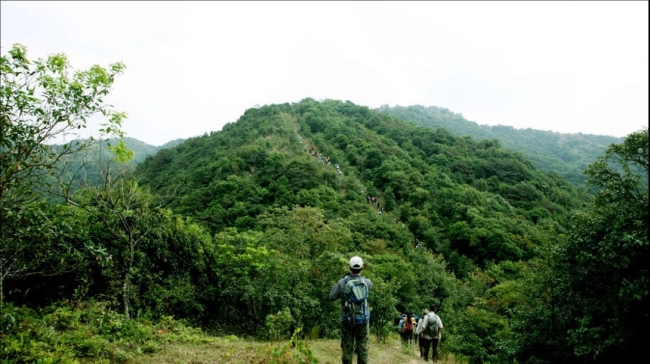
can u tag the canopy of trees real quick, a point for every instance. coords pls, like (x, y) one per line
(565, 154)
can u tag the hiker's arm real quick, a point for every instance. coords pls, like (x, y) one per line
(335, 292)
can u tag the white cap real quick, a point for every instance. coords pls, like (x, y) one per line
(356, 262)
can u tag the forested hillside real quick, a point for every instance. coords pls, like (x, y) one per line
(472, 201)
(242, 233)
(565, 154)
(100, 151)
(90, 167)
(141, 149)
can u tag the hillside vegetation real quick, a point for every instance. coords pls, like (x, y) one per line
(452, 194)
(88, 168)
(566, 154)
(243, 232)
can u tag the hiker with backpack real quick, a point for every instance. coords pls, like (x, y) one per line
(407, 329)
(400, 326)
(353, 291)
(419, 334)
(432, 332)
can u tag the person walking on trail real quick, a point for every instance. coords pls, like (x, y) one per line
(400, 327)
(353, 291)
(419, 334)
(407, 329)
(432, 330)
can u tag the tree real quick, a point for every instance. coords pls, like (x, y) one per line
(40, 103)
(46, 241)
(128, 215)
(382, 301)
(603, 268)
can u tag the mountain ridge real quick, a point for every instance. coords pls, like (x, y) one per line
(567, 154)
(227, 178)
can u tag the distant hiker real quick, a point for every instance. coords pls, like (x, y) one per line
(419, 334)
(432, 330)
(353, 291)
(407, 329)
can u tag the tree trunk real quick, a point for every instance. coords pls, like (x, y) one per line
(127, 278)
(125, 292)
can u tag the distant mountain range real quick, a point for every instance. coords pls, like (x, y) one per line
(141, 149)
(85, 166)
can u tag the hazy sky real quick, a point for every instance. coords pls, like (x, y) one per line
(194, 66)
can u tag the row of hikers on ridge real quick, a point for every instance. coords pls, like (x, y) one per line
(321, 158)
(327, 160)
(371, 200)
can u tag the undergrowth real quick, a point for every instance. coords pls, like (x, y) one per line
(92, 333)
(89, 332)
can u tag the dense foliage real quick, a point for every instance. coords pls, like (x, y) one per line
(41, 102)
(565, 154)
(244, 231)
(472, 201)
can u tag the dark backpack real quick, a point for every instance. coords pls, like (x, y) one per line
(432, 328)
(356, 300)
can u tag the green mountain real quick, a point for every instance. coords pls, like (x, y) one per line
(566, 154)
(473, 201)
(258, 221)
(85, 169)
(141, 149)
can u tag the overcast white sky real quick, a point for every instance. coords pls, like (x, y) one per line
(194, 66)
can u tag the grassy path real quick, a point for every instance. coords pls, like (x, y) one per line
(249, 352)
